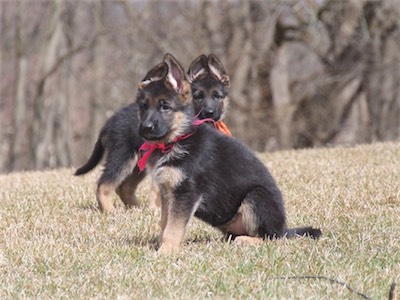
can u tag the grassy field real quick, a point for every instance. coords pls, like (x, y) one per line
(55, 244)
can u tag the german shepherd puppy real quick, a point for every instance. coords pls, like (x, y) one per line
(120, 141)
(202, 172)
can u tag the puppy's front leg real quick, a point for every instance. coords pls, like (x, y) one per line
(176, 212)
(173, 234)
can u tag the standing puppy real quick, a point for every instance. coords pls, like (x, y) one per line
(119, 140)
(202, 172)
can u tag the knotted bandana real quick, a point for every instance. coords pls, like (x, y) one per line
(148, 148)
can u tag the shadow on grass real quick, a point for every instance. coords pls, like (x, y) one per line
(93, 207)
(139, 241)
(88, 206)
(203, 240)
(153, 242)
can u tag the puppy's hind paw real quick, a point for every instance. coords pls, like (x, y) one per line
(247, 240)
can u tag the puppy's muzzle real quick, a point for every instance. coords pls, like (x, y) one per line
(212, 113)
(147, 127)
(151, 130)
(148, 130)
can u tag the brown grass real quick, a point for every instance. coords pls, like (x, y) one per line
(55, 244)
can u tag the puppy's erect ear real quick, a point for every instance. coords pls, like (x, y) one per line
(176, 74)
(157, 73)
(197, 67)
(218, 69)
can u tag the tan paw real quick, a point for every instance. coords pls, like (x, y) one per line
(107, 208)
(168, 249)
(247, 240)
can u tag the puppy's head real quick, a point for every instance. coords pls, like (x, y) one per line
(165, 102)
(210, 87)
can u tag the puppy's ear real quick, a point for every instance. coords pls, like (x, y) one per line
(197, 67)
(218, 69)
(157, 73)
(176, 74)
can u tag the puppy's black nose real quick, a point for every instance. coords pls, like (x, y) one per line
(209, 113)
(146, 127)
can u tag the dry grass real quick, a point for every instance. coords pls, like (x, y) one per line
(54, 244)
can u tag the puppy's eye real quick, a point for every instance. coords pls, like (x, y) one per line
(217, 96)
(165, 106)
(198, 97)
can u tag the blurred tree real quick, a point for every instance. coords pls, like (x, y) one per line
(303, 73)
(20, 154)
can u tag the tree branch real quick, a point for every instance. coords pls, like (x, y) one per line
(65, 57)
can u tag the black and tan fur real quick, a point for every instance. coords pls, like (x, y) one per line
(209, 85)
(207, 175)
(119, 140)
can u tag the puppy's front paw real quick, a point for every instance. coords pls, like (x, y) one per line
(168, 249)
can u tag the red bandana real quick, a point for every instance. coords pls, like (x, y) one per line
(148, 148)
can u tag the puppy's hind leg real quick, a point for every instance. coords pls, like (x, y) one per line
(117, 168)
(127, 189)
(247, 240)
(154, 196)
(104, 197)
(243, 227)
(261, 215)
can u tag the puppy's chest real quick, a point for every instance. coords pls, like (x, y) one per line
(162, 170)
(168, 176)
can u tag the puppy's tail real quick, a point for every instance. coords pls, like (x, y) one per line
(96, 156)
(313, 233)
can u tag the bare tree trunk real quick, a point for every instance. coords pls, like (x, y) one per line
(45, 108)
(61, 136)
(283, 104)
(97, 100)
(211, 26)
(20, 155)
(383, 75)
(245, 84)
(239, 52)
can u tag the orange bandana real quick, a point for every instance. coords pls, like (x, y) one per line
(221, 126)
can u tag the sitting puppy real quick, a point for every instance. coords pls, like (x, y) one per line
(202, 172)
(120, 141)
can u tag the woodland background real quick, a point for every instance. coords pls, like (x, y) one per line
(304, 73)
